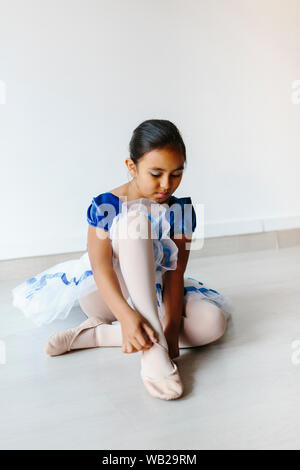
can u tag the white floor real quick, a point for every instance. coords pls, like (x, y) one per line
(241, 392)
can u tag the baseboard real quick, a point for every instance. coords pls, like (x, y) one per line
(225, 231)
(22, 268)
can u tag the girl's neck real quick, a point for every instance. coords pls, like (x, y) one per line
(132, 191)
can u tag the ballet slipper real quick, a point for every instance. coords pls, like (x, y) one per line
(169, 387)
(61, 342)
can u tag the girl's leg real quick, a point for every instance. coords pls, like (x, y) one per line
(136, 258)
(137, 279)
(203, 322)
(94, 305)
(106, 334)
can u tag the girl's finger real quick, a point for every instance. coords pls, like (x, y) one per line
(145, 341)
(144, 338)
(136, 345)
(128, 348)
(151, 334)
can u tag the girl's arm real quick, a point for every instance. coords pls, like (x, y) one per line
(100, 255)
(173, 291)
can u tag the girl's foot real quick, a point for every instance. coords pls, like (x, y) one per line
(160, 374)
(62, 342)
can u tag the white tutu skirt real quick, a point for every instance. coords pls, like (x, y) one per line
(51, 294)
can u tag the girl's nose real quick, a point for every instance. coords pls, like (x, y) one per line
(165, 183)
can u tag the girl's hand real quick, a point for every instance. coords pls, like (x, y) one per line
(137, 333)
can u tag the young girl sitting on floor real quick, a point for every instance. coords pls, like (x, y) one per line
(130, 282)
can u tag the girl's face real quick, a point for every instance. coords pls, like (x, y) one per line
(158, 174)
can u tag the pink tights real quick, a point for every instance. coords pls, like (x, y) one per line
(202, 322)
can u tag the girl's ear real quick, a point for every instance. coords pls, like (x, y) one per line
(131, 167)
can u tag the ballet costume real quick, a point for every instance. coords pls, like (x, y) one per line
(51, 294)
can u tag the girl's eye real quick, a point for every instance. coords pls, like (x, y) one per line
(174, 176)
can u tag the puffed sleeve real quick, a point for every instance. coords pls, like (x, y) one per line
(194, 219)
(102, 211)
(183, 219)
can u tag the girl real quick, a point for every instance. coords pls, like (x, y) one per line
(130, 282)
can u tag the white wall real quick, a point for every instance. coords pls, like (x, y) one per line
(81, 75)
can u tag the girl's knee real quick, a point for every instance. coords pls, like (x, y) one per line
(93, 305)
(206, 319)
(220, 323)
(134, 224)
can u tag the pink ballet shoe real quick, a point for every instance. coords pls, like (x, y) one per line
(169, 387)
(61, 342)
